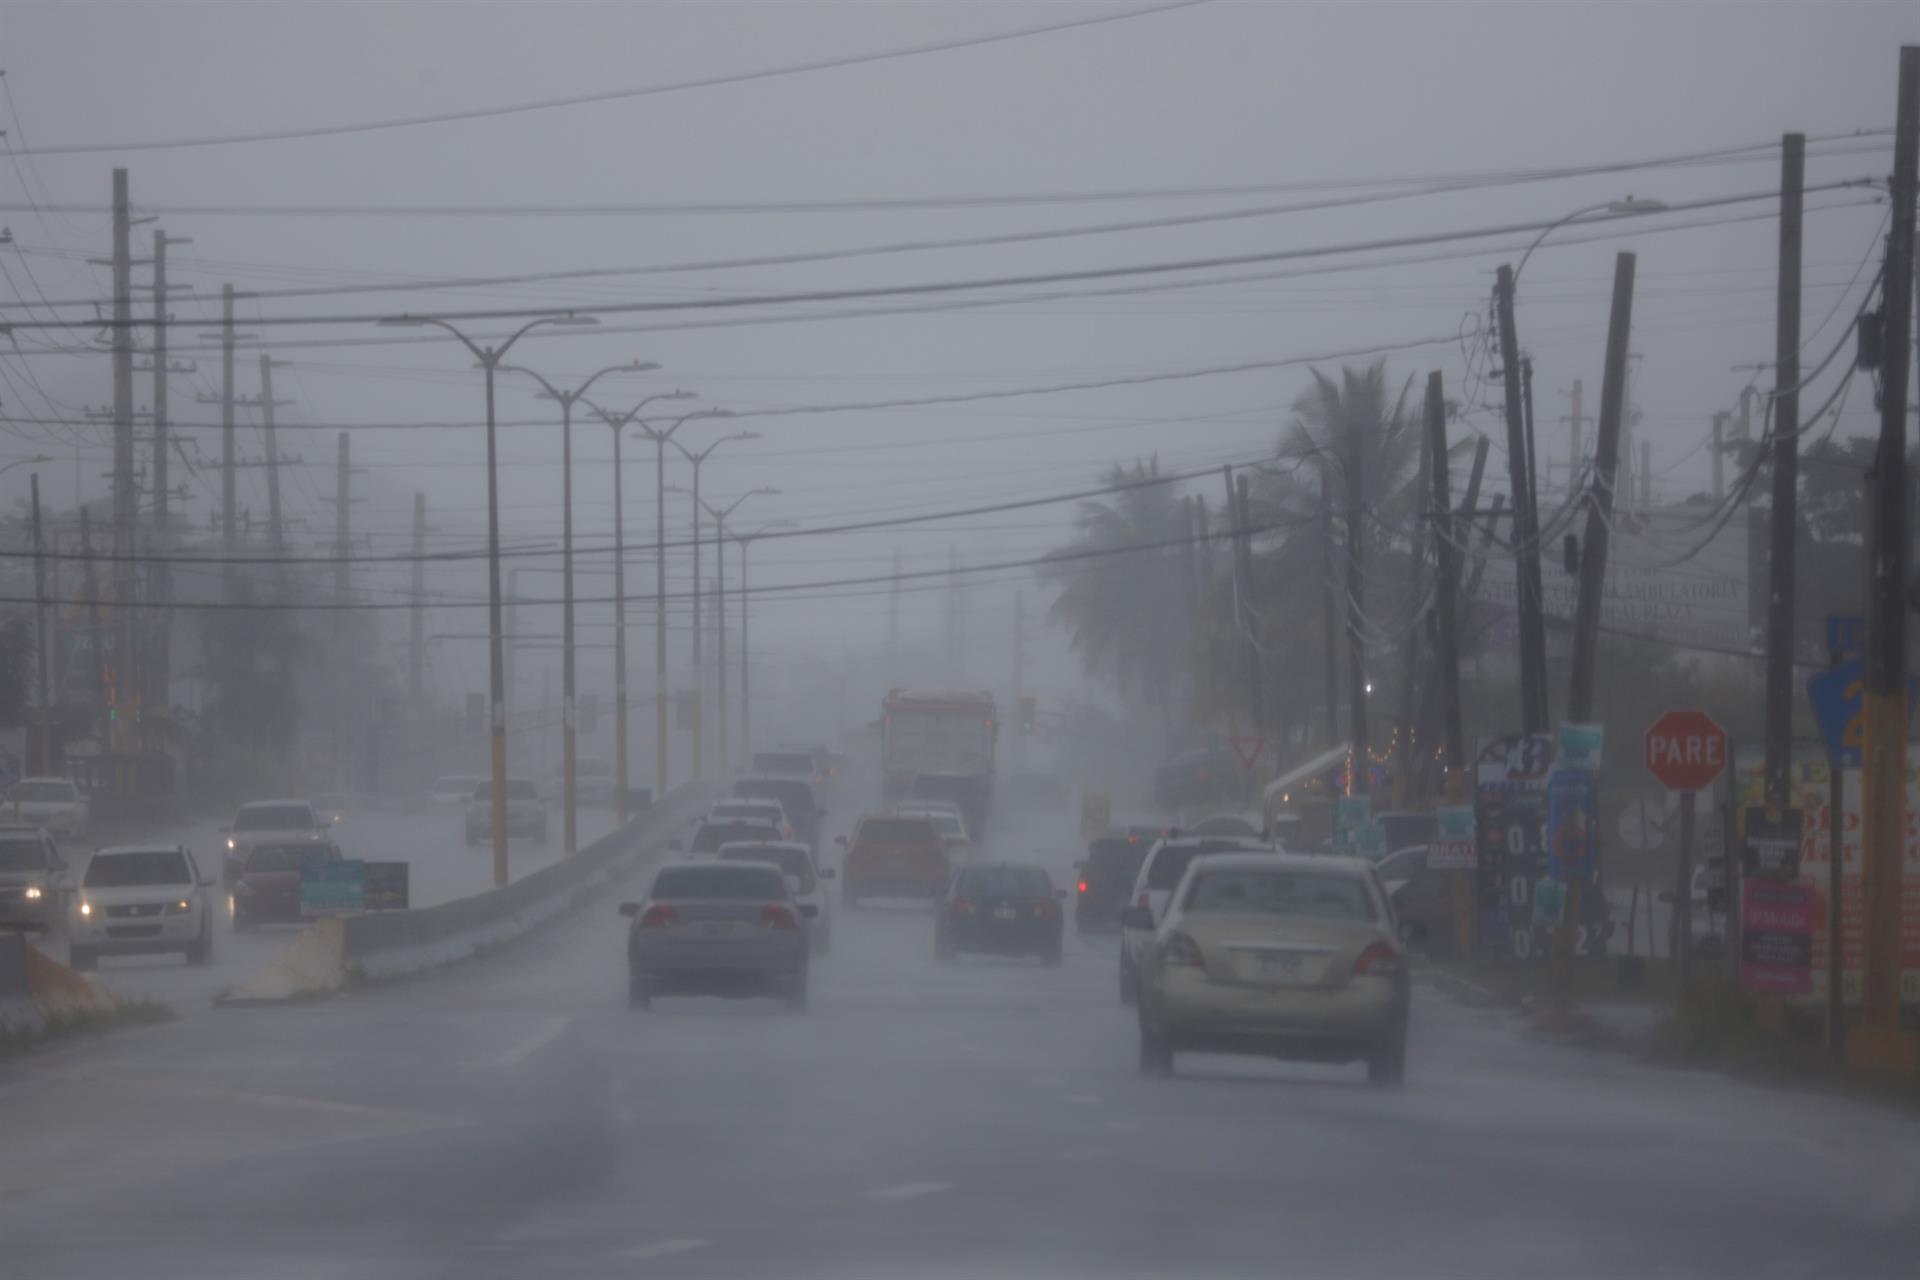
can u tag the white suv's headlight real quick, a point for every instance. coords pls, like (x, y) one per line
(86, 908)
(33, 893)
(179, 908)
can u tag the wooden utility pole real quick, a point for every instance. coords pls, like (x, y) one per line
(1447, 549)
(893, 620)
(416, 628)
(1880, 1040)
(1785, 433)
(1329, 608)
(1718, 445)
(40, 635)
(342, 519)
(1574, 422)
(1403, 764)
(276, 537)
(1606, 458)
(1526, 533)
(1356, 616)
(125, 499)
(1241, 549)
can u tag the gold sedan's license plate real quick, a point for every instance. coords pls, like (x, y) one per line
(1277, 966)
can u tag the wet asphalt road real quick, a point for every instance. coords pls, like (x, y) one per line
(512, 1118)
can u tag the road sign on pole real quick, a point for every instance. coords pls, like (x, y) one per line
(1249, 750)
(1686, 750)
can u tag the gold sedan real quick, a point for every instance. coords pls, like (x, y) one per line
(1281, 956)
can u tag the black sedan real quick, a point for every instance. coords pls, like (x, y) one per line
(1003, 909)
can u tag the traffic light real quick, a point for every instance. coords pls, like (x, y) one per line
(1028, 710)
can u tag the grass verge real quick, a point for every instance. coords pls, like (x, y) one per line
(131, 1013)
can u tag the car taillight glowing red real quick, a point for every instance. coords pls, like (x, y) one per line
(1083, 886)
(1380, 958)
(659, 916)
(962, 907)
(777, 916)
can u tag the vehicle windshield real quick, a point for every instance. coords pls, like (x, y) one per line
(795, 797)
(147, 866)
(1278, 893)
(290, 857)
(22, 853)
(757, 811)
(1115, 861)
(717, 880)
(274, 817)
(797, 763)
(791, 861)
(712, 835)
(40, 791)
(1171, 862)
(1004, 882)
(898, 831)
(945, 821)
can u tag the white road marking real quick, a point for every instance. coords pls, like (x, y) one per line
(1084, 1099)
(549, 1031)
(908, 1190)
(663, 1248)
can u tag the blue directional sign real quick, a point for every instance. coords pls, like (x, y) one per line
(1837, 706)
(1846, 633)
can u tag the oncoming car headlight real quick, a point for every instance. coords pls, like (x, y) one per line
(231, 844)
(179, 908)
(86, 908)
(33, 893)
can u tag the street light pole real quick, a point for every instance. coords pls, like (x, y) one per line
(660, 439)
(720, 515)
(696, 457)
(746, 701)
(489, 358)
(619, 422)
(569, 747)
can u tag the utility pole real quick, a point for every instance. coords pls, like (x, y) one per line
(1526, 533)
(1243, 612)
(417, 634)
(1575, 422)
(40, 633)
(1879, 1040)
(1359, 781)
(720, 635)
(1719, 464)
(1410, 646)
(343, 519)
(1329, 607)
(1645, 487)
(229, 504)
(893, 620)
(161, 575)
(1606, 458)
(275, 535)
(1785, 429)
(1447, 557)
(125, 503)
(953, 613)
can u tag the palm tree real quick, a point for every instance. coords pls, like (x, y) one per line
(1362, 440)
(1121, 586)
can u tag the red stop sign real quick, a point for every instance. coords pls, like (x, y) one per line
(1686, 750)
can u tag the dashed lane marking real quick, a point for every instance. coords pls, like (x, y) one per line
(663, 1248)
(549, 1031)
(908, 1190)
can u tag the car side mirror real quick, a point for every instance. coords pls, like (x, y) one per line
(1413, 931)
(676, 845)
(1137, 918)
(629, 909)
(827, 873)
(808, 911)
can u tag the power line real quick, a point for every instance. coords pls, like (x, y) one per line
(611, 95)
(938, 287)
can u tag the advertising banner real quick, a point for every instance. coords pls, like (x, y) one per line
(1776, 937)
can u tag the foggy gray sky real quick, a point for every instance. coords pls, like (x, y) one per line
(1227, 93)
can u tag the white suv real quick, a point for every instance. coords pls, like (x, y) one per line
(137, 900)
(53, 804)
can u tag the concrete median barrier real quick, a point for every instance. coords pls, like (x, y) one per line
(333, 954)
(37, 991)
